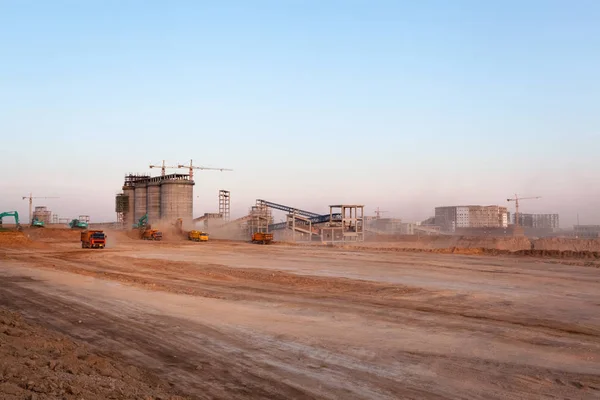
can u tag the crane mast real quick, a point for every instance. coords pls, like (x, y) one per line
(31, 197)
(516, 199)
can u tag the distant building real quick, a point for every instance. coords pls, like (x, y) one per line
(453, 217)
(385, 225)
(407, 228)
(587, 231)
(540, 221)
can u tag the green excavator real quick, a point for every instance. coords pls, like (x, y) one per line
(78, 224)
(37, 223)
(142, 222)
(11, 214)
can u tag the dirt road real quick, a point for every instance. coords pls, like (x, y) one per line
(233, 320)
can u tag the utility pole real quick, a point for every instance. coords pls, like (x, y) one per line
(30, 197)
(516, 199)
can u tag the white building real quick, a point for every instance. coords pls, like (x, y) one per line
(453, 217)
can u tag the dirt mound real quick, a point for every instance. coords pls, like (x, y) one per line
(452, 242)
(53, 234)
(38, 364)
(13, 239)
(563, 244)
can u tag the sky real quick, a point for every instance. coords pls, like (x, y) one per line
(402, 105)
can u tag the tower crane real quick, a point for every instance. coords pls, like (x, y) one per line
(378, 213)
(163, 168)
(192, 167)
(516, 199)
(30, 197)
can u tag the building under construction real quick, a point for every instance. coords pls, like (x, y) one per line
(41, 213)
(162, 198)
(453, 218)
(540, 221)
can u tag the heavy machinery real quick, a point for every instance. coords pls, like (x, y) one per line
(146, 231)
(78, 224)
(198, 236)
(93, 239)
(150, 234)
(11, 214)
(142, 222)
(261, 237)
(37, 223)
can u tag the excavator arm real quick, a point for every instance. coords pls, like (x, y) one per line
(142, 222)
(10, 214)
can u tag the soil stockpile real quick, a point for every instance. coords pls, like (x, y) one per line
(38, 364)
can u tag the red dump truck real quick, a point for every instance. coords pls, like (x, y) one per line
(93, 239)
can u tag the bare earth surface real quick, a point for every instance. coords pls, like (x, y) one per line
(232, 320)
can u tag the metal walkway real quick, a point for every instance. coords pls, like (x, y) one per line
(287, 209)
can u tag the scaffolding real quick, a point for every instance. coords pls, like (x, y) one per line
(121, 208)
(260, 217)
(225, 205)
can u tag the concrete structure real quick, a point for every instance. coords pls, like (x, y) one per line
(225, 204)
(259, 218)
(587, 231)
(350, 227)
(540, 221)
(471, 216)
(153, 200)
(41, 213)
(162, 198)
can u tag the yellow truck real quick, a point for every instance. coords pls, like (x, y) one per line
(261, 237)
(151, 234)
(198, 236)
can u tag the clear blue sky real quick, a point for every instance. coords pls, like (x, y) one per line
(402, 105)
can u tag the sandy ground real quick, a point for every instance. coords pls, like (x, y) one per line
(235, 321)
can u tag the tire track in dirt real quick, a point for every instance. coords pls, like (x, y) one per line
(342, 294)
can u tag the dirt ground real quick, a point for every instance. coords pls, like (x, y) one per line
(228, 320)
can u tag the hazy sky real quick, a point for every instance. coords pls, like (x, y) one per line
(401, 105)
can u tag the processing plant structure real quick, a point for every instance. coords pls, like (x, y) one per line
(168, 198)
(162, 198)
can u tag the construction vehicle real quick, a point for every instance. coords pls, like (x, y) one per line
(198, 236)
(37, 223)
(91, 239)
(150, 234)
(78, 224)
(261, 237)
(146, 231)
(142, 222)
(11, 214)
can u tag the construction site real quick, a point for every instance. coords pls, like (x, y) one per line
(167, 302)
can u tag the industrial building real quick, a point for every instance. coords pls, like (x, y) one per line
(343, 223)
(539, 221)
(451, 218)
(162, 198)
